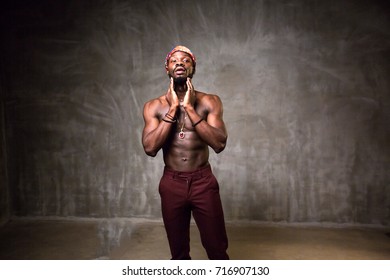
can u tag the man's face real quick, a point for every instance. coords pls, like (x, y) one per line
(180, 66)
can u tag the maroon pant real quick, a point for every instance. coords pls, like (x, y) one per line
(197, 192)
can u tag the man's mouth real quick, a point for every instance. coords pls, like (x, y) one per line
(180, 70)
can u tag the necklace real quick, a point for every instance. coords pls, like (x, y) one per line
(181, 133)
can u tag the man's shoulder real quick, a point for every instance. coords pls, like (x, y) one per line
(158, 101)
(207, 97)
(155, 106)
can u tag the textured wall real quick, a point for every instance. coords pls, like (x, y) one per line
(304, 85)
(5, 203)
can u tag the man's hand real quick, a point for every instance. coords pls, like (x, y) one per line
(171, 96)
(189, 98)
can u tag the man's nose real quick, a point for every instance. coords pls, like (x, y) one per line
(179, 63)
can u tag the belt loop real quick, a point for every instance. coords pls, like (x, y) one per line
(175, 175)
(202, 172)
(206, 171)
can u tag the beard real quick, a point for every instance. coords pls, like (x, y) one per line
(180, 81)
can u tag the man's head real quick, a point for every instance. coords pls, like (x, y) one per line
(180, 63)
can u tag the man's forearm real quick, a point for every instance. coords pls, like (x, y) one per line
(155, 139)
(215, 137)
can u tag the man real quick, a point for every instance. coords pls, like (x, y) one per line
(184, 123)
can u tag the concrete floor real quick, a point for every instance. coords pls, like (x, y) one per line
(123, 239)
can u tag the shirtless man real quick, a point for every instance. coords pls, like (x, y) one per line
(184, 123)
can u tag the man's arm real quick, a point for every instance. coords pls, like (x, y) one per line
(212, 130)
(155, 132)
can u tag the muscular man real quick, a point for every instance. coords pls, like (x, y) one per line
(184, 123)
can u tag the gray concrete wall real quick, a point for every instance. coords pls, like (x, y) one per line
(305, 90)
(5, 202)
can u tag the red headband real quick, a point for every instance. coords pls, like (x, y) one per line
(179, 49)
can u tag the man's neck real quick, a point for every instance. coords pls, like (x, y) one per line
(181, 90)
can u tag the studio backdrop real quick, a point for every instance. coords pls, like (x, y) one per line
(304, 84)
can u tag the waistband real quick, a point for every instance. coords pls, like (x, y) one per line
(201, 172)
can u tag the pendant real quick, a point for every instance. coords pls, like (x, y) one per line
(181, 135)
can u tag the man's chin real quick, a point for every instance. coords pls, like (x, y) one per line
(180, 80)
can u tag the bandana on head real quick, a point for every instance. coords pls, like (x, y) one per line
(179, 49)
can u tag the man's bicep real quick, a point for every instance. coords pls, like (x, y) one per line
(151, 124)
(150, 118)
(215, 115)
(215, 120)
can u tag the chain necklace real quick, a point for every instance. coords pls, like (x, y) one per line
(181, 133)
